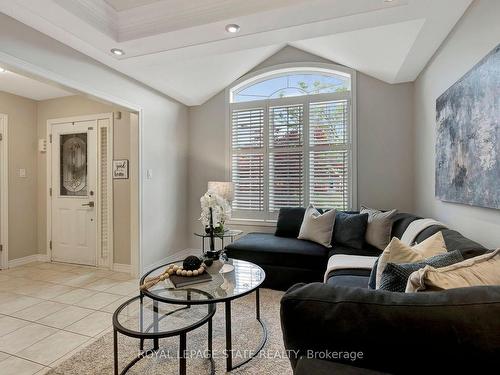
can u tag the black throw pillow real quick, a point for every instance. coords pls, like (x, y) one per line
(395, 276)
(289, 221)
(349, 229)
(372, 283)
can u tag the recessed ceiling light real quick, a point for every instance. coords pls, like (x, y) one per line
(388, 1)
(117, 51)
(2, 70)
(232, 28)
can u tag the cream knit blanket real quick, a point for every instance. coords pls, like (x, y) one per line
(416, 227)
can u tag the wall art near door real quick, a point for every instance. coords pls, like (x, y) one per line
(468, 137)
(120, 169)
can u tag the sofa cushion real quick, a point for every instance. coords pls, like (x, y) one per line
(350, 229)
(400, 222)
(317, 227)
(399, 252)
(266, 248)
(456, 241)
(350, 280)
(453, 240)
(378, 231)
(460, 326)
(367, 250)
(289, 221)
(308, 366)
(483, 270)
(395, 276)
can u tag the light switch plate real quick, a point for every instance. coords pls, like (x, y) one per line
(22, 172)
(149, 174)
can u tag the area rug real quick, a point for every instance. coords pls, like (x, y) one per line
(97, 358)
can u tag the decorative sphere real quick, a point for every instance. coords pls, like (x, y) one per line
(178, 272)
(200, 270)
(175, 267)
(191, 263)
(190, 273)
(184, 272)
(171, 271)
(195, 273)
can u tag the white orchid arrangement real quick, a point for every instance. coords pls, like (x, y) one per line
(221, 210)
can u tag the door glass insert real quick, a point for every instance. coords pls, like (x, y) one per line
(73, 151)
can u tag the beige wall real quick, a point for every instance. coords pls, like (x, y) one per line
(385, 131)
(476, 34)
(79, 106)
(22, 191)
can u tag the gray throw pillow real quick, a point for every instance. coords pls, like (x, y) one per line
(317, 227)
(395, 276)
(378, 231)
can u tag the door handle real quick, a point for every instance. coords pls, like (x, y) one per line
(90, 204)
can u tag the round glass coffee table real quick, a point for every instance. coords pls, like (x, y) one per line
(224, 287)
(147, 319)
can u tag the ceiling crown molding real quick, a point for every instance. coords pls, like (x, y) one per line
(96, 13)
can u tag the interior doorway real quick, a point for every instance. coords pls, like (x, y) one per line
(106, 235)
(4, 194)
(80, 199)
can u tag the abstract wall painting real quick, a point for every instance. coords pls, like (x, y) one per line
(468, 137)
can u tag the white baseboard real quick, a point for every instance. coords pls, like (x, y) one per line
(118, 267)
(29, 259)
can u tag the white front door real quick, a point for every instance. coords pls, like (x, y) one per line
(74, 193)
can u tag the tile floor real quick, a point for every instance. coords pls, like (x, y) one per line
(48, 311)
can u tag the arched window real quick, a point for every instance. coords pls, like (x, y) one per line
(292, 83)
(292, 140)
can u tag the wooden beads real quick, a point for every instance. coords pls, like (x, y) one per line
(171, 270)
(179, 271)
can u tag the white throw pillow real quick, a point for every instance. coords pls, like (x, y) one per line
(398, 252)
(317, 227)
(480, 270)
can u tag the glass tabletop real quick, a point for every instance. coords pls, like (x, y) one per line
(226, 233)
(245, 278)
(150, 319)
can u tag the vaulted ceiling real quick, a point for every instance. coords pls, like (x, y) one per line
(181, 48)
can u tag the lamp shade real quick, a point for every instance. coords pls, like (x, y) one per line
(222, 189)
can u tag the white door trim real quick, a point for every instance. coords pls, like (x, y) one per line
(4, 191)
(34, 71)
(96, 117)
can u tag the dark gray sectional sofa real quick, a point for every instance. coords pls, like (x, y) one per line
(404, 333)
(288, 261)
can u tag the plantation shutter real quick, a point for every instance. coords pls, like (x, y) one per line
(329, 142)
(247, 164)
(286, 156)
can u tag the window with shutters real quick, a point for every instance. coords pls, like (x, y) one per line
(292, 141)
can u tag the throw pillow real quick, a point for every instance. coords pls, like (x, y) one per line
(398, 252)
(289, 221)
(395, 276)
(372, 284)
(349, 229)
(378, 231)
(317, 227)
(480, 270)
